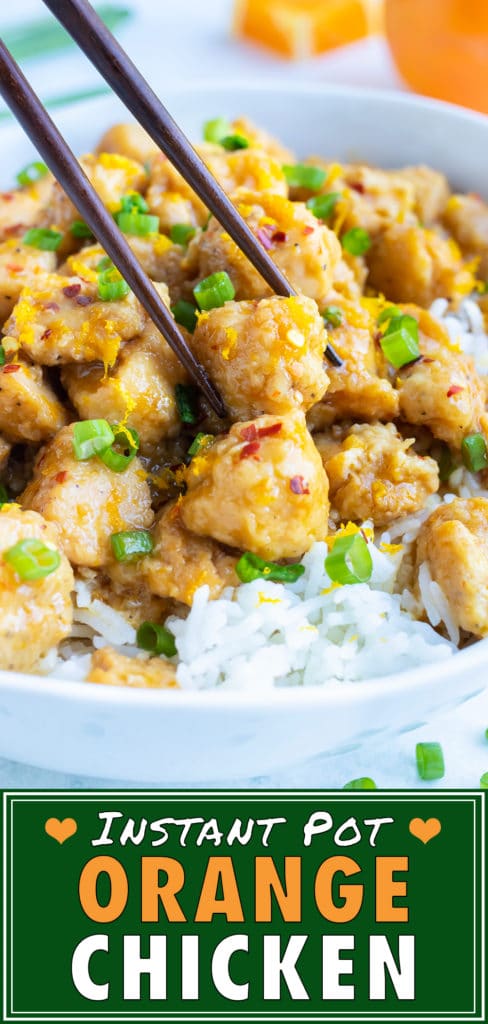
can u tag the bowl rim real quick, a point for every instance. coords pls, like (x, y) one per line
(271, 697)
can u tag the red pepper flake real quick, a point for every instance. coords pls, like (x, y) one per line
(7, 196)
(61, 477)
(263, 237)
(83, 300)
(274, 428)
(358, 187)
(250, 449)
(46, 334)
(298, 485)
(14, 268)
(309, 230)
(11, 368)
(71, 290)
(454, 390)
(279, 236)
(13, 229)
(249, 433)
(425, 359)
(53, 306)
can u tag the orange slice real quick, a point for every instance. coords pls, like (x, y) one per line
(302, 28)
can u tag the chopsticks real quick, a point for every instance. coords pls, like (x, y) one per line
(42, 131)
(106, 54)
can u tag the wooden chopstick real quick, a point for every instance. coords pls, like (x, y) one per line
(42, 131)
(103, 50)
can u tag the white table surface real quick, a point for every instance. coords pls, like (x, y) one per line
(177, 39)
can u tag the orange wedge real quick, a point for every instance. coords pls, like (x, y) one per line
(302, 28)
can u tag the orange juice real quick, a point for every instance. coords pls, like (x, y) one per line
(441, 47)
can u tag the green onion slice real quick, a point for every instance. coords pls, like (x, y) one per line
(430, 761)
(233, 142)
(32, 172)
(2, 356)
(200, 442)
(181, 234)
(187, 402)
(133, 202)
(304, 176)
(104, 264)
(356, 241)
(127, 439)
(333, 315)
(252, 567)
(91, 437)
(400, 341)
(129, 545)
(322, 206)
(388, 314)
(80, 230)
(43, 238)
(475, 456)
(135, 223)
(214, 291)
(185, 313)
(32, 560)
(216, 129)
(3, 495)
(350, 560)
(362, 783)
(156, 639)
(445, 462)
(111, 285)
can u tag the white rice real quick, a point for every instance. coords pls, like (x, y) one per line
(309, 633)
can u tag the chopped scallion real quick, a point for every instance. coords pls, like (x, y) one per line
(199, 442)
(80, 230)
(214, 291)
(32, 172)
(187, 402)
(2, 356)
(43, 238)
(185, 313)
(304, 176)
(430, 761)
(181, 234)
(125, 438)
(322, 206)
(400, 341)
(91, 437)
(349, 560)
(3, 495)
(111, 285)
(252, 567)
(356, 241)
(362, 783)
(216, 129)
(104, 264)
(233, 142)
(333, 315)
(32, 559)
(156, 639)
(129, 545)
(133, 202)
(475, 456)
(135, 223)
(388, 314)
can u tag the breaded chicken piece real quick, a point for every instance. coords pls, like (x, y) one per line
(23, 208)
(128, 139)
(302, 247)
(162, 261)
(266, 356)
(175, 202)
(29, 409)
(370, 197)
(86, 500)
(181, 562)
(374, 474)
(261, 488)
(112, 175)
(441, 391)
(62, 320)
(361, 388)
(430, 191)
(113, 669)
(466, 217)
(409, 263)
(260, 139)
(36, 615)
(20, 265)
(139, 390)
(453, 542)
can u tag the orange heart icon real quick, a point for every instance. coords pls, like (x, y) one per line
(61, 830)
(425, 830)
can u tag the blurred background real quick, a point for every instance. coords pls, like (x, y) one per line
(436, 47)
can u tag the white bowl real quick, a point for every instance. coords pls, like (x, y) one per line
(169, 737)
